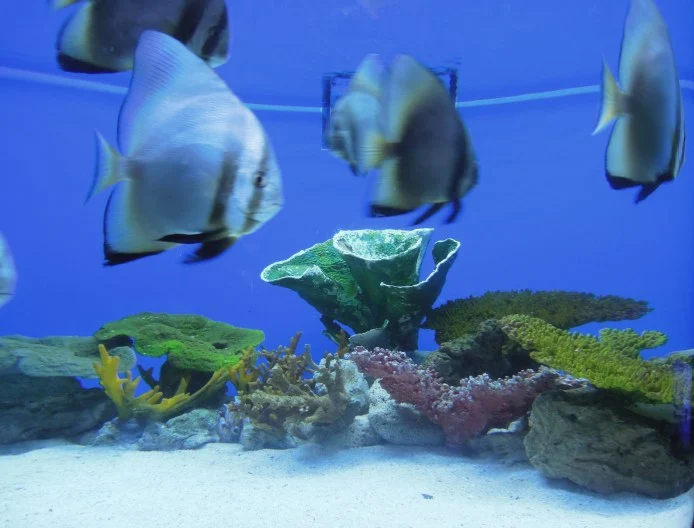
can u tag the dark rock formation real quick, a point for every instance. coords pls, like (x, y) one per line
(588, 437)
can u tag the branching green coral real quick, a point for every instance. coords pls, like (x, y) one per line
(190, 342)
(560, 308)
(611, 362)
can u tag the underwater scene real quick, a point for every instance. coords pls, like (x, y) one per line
(396, 263)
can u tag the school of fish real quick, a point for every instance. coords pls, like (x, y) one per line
(194, 165)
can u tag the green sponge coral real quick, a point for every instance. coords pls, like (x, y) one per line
(190, 342)
(611, 362)
(562, 309)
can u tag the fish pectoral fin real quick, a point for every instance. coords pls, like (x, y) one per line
(619, 182)
(193, 238)
(373, 151)
(613, 99)
(210, 250)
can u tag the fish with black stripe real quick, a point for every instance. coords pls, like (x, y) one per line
(425, 152)
(196, 166)
(356, 118)
(647, 144)
(101, 35)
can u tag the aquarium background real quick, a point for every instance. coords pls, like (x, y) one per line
(542, 217)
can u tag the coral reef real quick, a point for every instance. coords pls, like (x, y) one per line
(151, 405)
(488, 350)
(369, 279)
(562, 309)
(190, 342)
(611, 362)
(464, 411)
(276, 394)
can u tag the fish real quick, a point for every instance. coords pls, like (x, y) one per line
(646, 147)
(8, 272)
(356, 117)
(101, 35)
(195, 164)
(426, 156)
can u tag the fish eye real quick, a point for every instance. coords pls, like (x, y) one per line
(260, 179)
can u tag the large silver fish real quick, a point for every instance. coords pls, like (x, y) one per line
(197, 165)
(8, 272)
(355, 121)
(426, 152)
(101, 36)
(647, 145)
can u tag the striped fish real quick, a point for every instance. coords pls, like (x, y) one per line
(355, 121)
(196, 165)
(8, 272)
(647, 145)
(100, 37)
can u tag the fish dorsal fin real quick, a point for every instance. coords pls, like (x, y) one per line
(409, 85)
(368, 76)
(642, 23)
(166, 76)
(59, 4)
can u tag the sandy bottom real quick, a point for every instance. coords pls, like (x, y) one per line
(221, 485)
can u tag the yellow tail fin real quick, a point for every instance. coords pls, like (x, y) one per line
(612, 106)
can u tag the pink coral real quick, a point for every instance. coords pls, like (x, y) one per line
(464, 411)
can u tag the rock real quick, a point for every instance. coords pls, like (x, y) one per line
(400, 423)
(358, 434)
(57, 356)
(191, 430)
(42, 408)
(588, 437)
(253, 438)
(487, 350)
(356, 388)
(505, 445)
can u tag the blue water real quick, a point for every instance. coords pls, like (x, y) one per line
(542, 216)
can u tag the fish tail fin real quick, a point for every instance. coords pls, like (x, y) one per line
(612, 99)
(110, 167)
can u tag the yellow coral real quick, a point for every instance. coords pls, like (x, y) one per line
(151, 403)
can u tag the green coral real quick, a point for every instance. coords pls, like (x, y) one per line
(562, 309)
(610, 362)
(368, 279)
(190, 342)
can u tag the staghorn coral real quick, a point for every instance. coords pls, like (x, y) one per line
(151, 404)
(276, 395)
(369, 279)
(610, 362)
(465, 411)
(562, 309)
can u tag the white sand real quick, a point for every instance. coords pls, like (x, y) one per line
(377, 487)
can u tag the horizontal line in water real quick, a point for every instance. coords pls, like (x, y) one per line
(94, 86)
